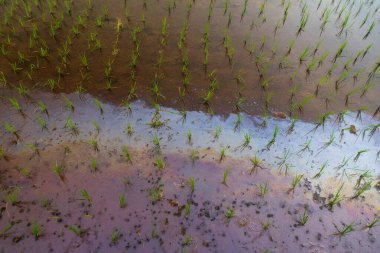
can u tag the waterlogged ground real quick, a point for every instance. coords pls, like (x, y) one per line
(160, 212)
(189, 126)
(165, 51)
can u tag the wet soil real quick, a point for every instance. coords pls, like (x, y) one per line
(254, 27)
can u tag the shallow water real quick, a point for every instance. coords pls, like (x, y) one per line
(245, 139)
(173, 134)
(227, 94)
(207, 225)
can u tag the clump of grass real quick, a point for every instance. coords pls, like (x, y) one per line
(164, 30)
(15, 68)
(99, 106)
(225, 176)
(322, 120)
(10, 129)
(43, 107)
(303, 22)
(69, 104)
(77, 230)
(373, 223)
(3, 79)
(359, 153)
(364, 176)
(45, 202)
(229, 213)
(93, 164)
(153, 232)
(189, 137)
(208, 96)
(84, 61)
(303, 219)
(156, 122)
(126, 154)
(58, 170)
(295, 182)
(187, 240)
(217, 132)
(340, 51)
(361, 189)
(301, 104)
(284, 159)
(70, 125)
(322, 58)
(327, 143)
(222, 154)
(247, 141)
(244, 9)
(321, 170)
(237, 122)
(156, 143)
(25, 172)
(191, 183)
(156, 194)
(369, 30)
(15, 104)
(266, 225)
(194, 156)
(122, 200)
(41, 122)
(36, 231)
(86, 196)
(159, 163)
(263, 189)
(303, 55)
(187, 209)
(305, 146)
(256, 163)
(94, 144)
(292, 125)
(3, 154)
(273, 140)
(34, 148)
(115, 236)
(129, 129)
(239, 103)
(4, 231)
(344, 230)
(336, 199)
(13, 197)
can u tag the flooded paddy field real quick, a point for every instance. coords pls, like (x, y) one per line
(189, 126)
(180, 186)
(218, 56)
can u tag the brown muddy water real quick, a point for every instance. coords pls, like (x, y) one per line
(266, 80)
(171, 126)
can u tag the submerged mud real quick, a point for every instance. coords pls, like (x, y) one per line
(226, 210)
(262, 77)
(147, 224)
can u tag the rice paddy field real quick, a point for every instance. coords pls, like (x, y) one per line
(190, 126)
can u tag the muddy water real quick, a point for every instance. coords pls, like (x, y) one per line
(257, 25)
(163, 225)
